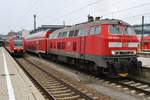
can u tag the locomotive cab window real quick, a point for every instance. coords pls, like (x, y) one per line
(114, 29)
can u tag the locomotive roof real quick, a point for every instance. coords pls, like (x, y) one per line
(89, 24)
(106, 21)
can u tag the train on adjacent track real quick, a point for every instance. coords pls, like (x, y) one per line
(107, 46)
(145, 44)
(15, 45)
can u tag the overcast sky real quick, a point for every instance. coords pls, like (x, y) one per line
(18, 14)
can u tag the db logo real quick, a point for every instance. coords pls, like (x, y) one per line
(125, 44)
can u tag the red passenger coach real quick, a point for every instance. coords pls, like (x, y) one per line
(36, 40)
(108, 46)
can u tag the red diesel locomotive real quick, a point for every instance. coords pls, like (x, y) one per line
(15, 45)
(106, 46)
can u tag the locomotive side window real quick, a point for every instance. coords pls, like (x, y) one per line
(114, 29)
(95, 30)
(83, 32)
(92, 30)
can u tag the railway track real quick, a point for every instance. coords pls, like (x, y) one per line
(138, 87)
(133, 85)
(52, 87)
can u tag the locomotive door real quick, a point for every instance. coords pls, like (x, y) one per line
(82, 46)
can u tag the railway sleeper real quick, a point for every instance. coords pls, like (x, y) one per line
(61, 91)
(75, 97)
(143, 86)
(65, 94)
(57, 85)
(56, 89)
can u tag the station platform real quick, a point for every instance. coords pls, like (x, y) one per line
(145, 61)
(14, 84)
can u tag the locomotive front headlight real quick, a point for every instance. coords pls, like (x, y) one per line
(134, 52)
(113, 52)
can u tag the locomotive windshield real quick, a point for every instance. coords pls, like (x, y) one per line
(114, 29)
(18, 42)
(117, 29)
(129, 30)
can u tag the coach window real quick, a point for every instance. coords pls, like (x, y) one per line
(76, 32)
(55, 35)
(60, 35)
(64, 34)
(71, 33)
(52, 36)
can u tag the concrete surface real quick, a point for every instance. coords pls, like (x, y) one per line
(145, 61)
(14, 84)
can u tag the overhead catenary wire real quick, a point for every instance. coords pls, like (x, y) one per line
(79, 9)
(122, 10)
(95, 2)
(83, 7)
(28, 11)
(138, 15)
